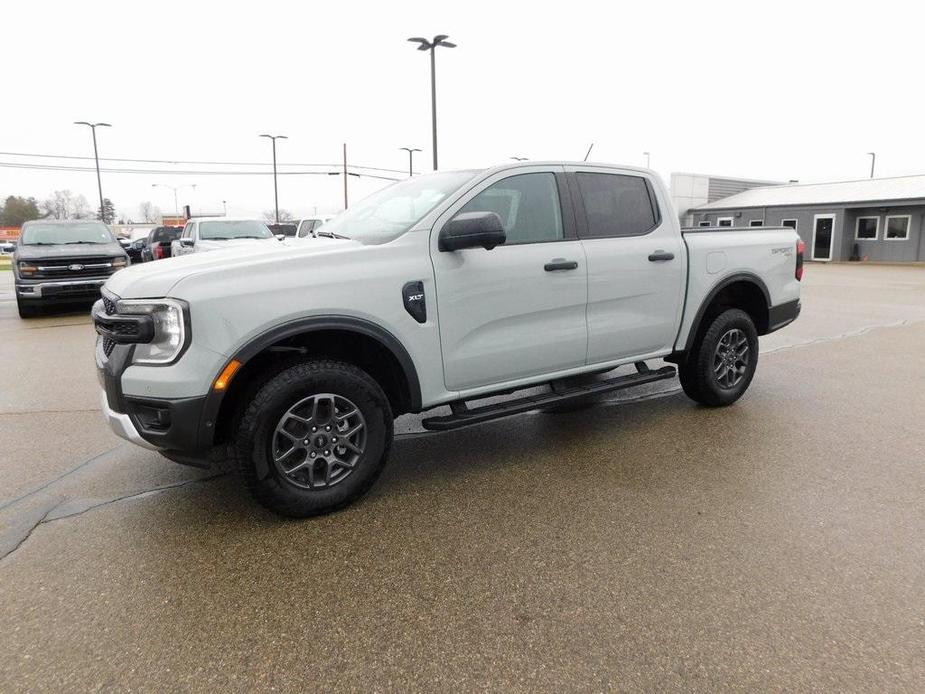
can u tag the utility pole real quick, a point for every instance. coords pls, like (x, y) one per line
(345, 175)
(873, 161)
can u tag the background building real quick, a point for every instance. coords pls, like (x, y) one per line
(879, 218)
(693, 190)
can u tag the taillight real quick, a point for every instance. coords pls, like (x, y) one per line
(158, 252)
(801, 248)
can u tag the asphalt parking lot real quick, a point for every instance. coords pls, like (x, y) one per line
(642, 544)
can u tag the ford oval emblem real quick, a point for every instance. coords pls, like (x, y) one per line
(76, 267)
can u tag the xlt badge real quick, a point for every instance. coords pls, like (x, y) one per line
(412, 295)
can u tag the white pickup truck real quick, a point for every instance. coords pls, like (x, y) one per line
(440, 290)
(217, 233)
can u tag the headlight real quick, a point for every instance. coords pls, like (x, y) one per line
(27, 269)
(119, 263)
(171, 328)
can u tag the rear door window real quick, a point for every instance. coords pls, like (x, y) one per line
(616, 205)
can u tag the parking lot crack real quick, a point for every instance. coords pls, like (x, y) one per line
(843, 336)
(78, 507)
(16, 535)
(57, 509)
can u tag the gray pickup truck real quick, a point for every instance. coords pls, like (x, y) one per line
(61, 261)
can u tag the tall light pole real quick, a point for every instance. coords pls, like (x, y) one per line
(410, 151)
(274, 138)
(647, 156)
(425, 45)
(873, 160)
(176, 207)
(96, 156)
(519, 158)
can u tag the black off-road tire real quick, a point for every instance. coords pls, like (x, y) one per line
(27, 310)
(255, 437)
(698, 373)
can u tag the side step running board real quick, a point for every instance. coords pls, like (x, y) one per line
(462, 416)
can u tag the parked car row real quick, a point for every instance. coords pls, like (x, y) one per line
(59, 261)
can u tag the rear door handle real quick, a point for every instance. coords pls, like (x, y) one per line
(560, 264)
(660, 255)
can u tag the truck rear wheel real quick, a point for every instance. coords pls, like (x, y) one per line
(314, 438)
(722, 362)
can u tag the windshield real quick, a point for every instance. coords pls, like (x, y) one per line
(246, 229)
(165, 234)
(389, 213)
(45, 234)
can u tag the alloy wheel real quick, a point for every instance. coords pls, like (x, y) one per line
(319, 440)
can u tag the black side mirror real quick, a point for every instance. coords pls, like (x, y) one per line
(472, 230)
(186, 242)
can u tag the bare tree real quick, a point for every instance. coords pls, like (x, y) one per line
(65, 205)
(149, 212)
(284, 216)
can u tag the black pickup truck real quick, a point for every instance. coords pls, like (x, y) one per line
(61, 261)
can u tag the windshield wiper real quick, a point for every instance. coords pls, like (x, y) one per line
(215, 238)
(91, 243)
(332, 235)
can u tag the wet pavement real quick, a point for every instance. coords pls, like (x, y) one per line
(644, 543)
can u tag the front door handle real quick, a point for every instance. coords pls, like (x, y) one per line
(560, 264)
(660, 255)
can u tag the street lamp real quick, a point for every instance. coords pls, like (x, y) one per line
(274, 138)
(425, 45)
(519, 158)
(647, 156)
(873, 160)
(176, 207)
(96, 156)
(410, 151)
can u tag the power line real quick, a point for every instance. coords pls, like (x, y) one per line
(172, 172)
(179, 161)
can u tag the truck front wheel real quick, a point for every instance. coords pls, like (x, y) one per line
(722, 362)
(26, 309)
(314, 438)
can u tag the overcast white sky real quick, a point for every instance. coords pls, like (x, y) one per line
(777, 90)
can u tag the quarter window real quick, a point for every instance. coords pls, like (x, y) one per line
(528, 205)
(897, 227)
(616, 205)
(866, 228)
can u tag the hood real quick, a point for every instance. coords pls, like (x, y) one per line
(156, 279)
(75, 250)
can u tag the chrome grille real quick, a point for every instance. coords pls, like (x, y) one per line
(70, 268)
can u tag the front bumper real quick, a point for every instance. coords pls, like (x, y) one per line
(122, 425)
(170, 426)
(40, 290)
